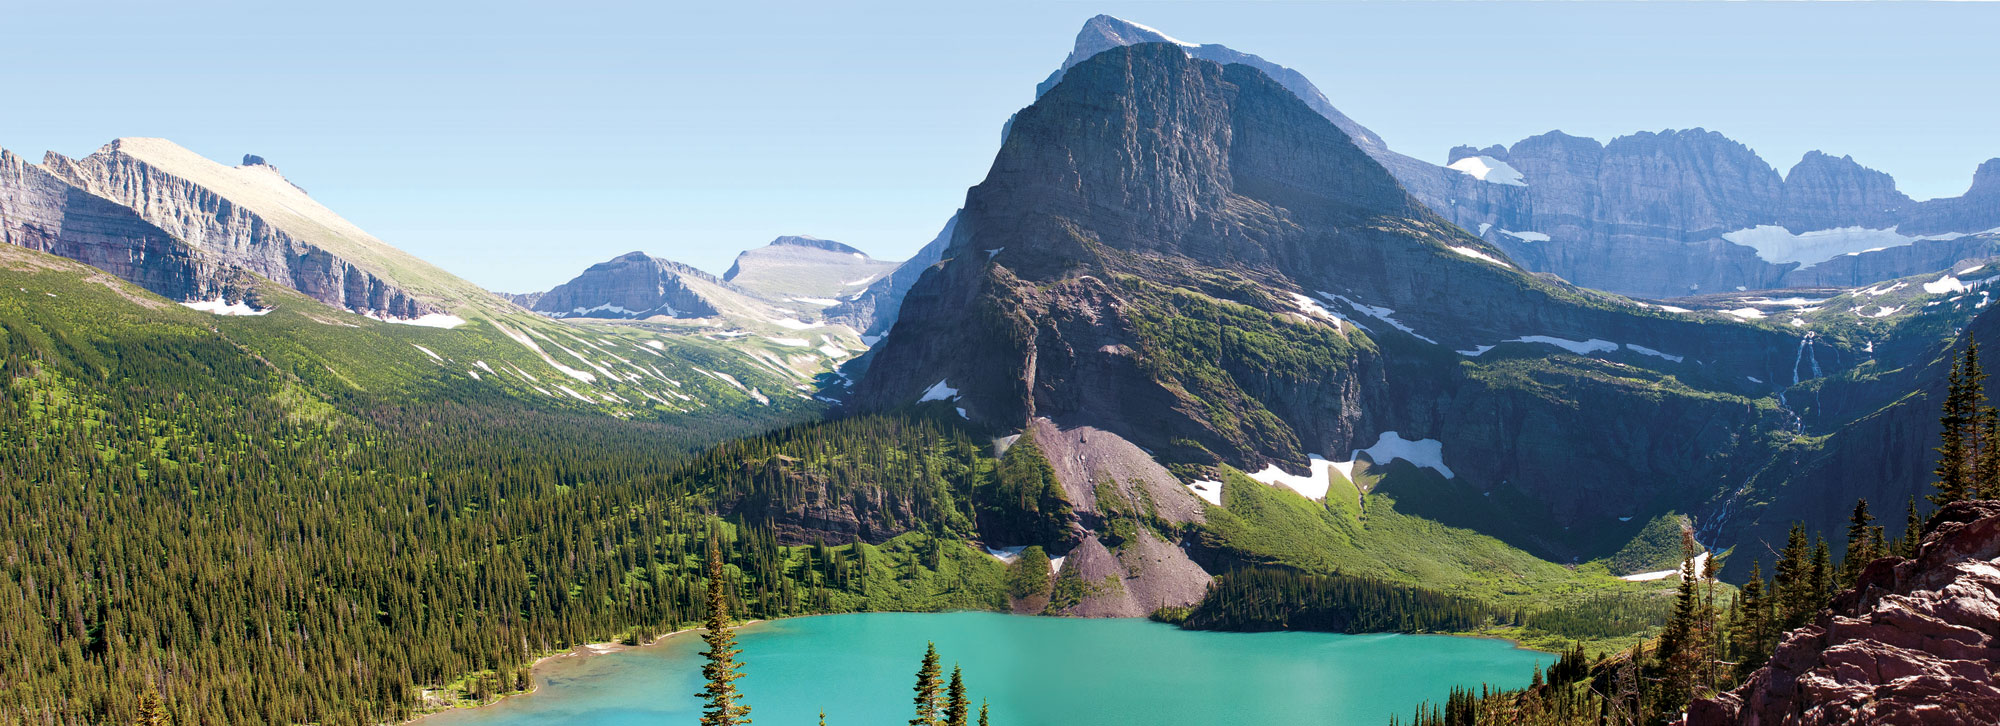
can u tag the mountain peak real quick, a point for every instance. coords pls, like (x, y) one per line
(1104, 32)
(800, 240)
(1986, 179)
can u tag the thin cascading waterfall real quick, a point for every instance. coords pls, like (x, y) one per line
(1805, 358)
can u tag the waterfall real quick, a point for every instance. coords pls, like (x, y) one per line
(1805, 356)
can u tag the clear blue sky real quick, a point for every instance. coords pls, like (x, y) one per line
(516, 143)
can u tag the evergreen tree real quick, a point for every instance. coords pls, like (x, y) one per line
(927, 700)
(724, 703)
(956, 707)
(1793, 585)
(151, 711)
(1860, 543)
(1683, 645)
(1960, 423)
(1749, 626)
(1913, 532)
(1822, 575)
(982, 712)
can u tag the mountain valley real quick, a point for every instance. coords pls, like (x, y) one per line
(1197, 337)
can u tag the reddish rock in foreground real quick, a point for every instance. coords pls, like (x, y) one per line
(1915, 642)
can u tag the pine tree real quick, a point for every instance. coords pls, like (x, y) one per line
(1958, 441)
(956, 707)
(927, 701)
(724, 703)
(1682, 649)
(822, 718)
(1793, 583)
(151, 711)
(982, 712)
(1747, 628)
(1913, 532)
(1860, 543)
(1822, 576)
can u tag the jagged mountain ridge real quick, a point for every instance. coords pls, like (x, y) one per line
(1631, 234)
(250, 218)
(1685, 212)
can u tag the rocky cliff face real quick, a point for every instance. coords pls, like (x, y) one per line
(1648, 214)
(40, 211)
(1186, 257)
(1686, 212)
(225, 215)
(1914, 642)
(632, 286)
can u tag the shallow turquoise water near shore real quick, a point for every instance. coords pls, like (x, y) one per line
(1034, 671)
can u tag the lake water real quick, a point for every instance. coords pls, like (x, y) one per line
(1033, 671)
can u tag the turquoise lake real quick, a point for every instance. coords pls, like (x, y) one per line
(1033, 671)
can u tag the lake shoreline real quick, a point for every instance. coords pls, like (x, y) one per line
(606, 648)
(585, 650)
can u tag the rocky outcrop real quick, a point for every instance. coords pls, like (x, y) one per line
(215, 211)
(40, 211)
(1916, 641)
(632, 286)
(1977, 209)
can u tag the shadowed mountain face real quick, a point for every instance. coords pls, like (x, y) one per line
(1185, 255)
(42, 212)
(1656, 214)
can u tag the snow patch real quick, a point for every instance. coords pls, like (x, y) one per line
(1643, 350)
(427, 351)
(1006, 554)
(219, 307)
(1313, 484)
(794, 324)
(939, 392)
(1378, 313)
(1424, 453)
(820, 301)
(1478, 255)
(1745, 313)
(793, 342)
(1490, 170)
(1312, 308)
(1777, 244)
(1526, 236)
(1946, 284)
(1209, 491)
